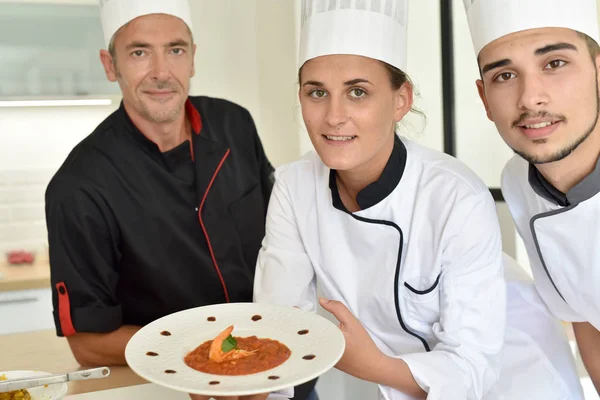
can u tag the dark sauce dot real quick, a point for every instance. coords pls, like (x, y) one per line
(256, 318)
(211, 319)
(303, 332)
(273, 377)
(165, 333)
(214, 383)
(309, 357)
(151, 354)
(170, 371)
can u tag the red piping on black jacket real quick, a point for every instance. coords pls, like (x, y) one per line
(195, 121)
(212, 254)
(64, 310)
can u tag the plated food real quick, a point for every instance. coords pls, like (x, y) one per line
(228, 355)
(235, 349)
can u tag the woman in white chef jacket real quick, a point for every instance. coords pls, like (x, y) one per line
(404, 240)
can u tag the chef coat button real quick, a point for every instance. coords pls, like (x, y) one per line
(196, 208)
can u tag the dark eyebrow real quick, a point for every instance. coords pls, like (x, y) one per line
(554, 47)
(144, 45)
(356, 81)
(494, 65)
(138, 45)
(348, 83)
(313, 83)
(178, 43)
(539, 52)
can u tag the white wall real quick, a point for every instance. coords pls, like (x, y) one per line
(246, 54)
(41, 137)
(478, 143)
(33, 144)
(425, 69)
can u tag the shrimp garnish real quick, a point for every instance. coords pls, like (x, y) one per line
(216, 353)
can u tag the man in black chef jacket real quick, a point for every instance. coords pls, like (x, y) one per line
(162, 208)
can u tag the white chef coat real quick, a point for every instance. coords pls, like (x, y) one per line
(420, 266)
(561, 240)
(538, 360)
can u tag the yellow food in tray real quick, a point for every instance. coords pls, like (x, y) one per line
(14, 395)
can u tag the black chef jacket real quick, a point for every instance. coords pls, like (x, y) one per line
(136, 234)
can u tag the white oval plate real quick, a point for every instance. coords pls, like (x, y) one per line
(51, 392)
(190, 328)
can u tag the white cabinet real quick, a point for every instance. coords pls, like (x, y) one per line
(25, 311)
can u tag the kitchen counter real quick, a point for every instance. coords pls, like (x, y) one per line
(149, 391)
(24, 277)
(44, 351)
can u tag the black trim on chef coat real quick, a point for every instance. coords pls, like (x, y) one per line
(370, 196)
(136, 234)
(584, 190)
(381, 188)
(537, 243)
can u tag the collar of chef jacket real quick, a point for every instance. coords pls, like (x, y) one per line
(584, 190)
(381, 188)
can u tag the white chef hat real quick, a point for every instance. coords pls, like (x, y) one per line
(116, 13)
(371, 28)
(491, 19)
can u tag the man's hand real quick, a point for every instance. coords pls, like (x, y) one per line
(253, 397)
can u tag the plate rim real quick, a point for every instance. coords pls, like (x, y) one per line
(272, 388)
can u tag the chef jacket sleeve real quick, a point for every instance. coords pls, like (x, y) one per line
(470, 333)
(284, 273)
(84, 252)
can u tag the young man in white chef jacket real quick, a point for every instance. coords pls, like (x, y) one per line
(539, 63)
(404, 241)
